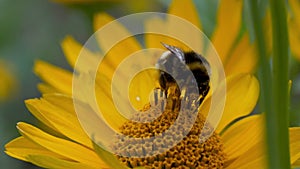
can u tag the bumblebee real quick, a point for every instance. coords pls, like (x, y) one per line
(177, 64)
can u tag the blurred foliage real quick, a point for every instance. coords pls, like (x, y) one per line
(31, 30)
(295, 93)
(8, 82)
(117, 7)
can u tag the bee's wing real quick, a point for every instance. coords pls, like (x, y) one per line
(176, 51)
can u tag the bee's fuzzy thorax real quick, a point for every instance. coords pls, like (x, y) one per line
(176, 64)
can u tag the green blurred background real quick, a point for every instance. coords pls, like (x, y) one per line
(33, 29)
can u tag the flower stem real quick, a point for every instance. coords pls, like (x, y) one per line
(274, 94)
(280, 80)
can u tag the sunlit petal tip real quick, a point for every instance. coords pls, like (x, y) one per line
(10, 149)
(20, 126)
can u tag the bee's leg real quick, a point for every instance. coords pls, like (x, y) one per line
(172, 96)
(163, 82)
(159, 99)
(202, 95)
(184, 98)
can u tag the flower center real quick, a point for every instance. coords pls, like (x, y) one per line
(188, 152)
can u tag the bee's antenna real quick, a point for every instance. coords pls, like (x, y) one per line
(176, 51)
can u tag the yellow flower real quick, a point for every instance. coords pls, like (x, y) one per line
(7, 82)
(64, 143)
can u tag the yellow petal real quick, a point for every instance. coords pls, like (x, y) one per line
(112, 40)
(66, 122)
(106, 104)
(159, 30)
(294, 144)
(62, 80)
(37, 114)
(60, 146)
(95, 125)
(72, 50)
(228, 26)
(57, 163)
(185, 9)
(109, 158)
(255, 157)
(45, 88)
(153, 40)
(61, 101)
(141, 86)
(243, 59)
(21, 147)
(176, 28)
(243, 135)
(96, 100)
(118, 31)
(241, 97)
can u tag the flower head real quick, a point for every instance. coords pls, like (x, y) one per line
(65, 144)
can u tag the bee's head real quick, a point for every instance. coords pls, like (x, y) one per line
(176, 56)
